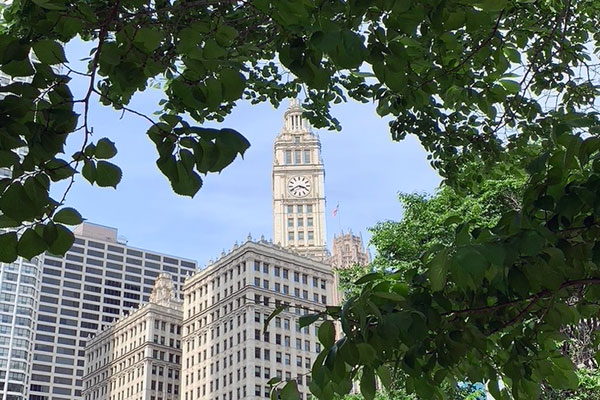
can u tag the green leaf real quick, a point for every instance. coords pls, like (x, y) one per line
(31, 244)
(385, 376)
(212, 50)
(49, 52)
(469, 262)
(327, 334)
(233, 83)
(389, 296)
(511, 86)
(16, 204)
(148, 38)
(308, 319)
(438, 270)
(63, 241)
(107, 174)
(68, 216)
(8, 247)
(17, 68)
(58, 169)
(368, 278)
(89, 171)
(290, 391)
(105, 149)
(185, 181)
(367, 383)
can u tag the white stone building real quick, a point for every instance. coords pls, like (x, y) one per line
(139, 356)
(226, 354)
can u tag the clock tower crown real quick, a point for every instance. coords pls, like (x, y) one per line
(298, 187)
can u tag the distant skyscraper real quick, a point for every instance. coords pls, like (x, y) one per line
(19, 293)
(299, 187)
(348, 250)
(138, 357)
(226, 354)
(98, 280)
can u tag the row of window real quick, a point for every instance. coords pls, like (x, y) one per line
(300, 208)
(284, 273)
(285, 289)
(299, 156)
(129, 252)
(310, 236)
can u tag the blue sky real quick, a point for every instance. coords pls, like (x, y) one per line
(364, 168)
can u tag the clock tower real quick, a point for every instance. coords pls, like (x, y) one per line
(299, 187)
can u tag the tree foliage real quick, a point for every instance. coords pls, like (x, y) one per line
(429, 221)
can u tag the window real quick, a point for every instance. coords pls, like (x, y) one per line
(296, 277)
(286, 289)
(288, 157)
(300, 222)
(257, 352)
(265, 268)
(309, 221)
(290, 235)
(311, 235)
(285, 273)
(257, 282)
(300, 208)
(301, 235)
(265, 284)
(297, 154)
(305, 279)
(277, 271)
(257, 266)
(277, 287)
(309, 208)
(290, 222)
(290, 209)
(315, 282)
(306, 156)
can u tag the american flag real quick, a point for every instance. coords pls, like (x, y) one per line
(335, 210)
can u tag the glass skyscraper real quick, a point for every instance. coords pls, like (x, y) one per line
(19, 291)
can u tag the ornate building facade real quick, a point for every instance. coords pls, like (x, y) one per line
(348, 250)
(139, 356)
(226, 352)
(298, 183)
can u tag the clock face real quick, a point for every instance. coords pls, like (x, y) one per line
(299, 186)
